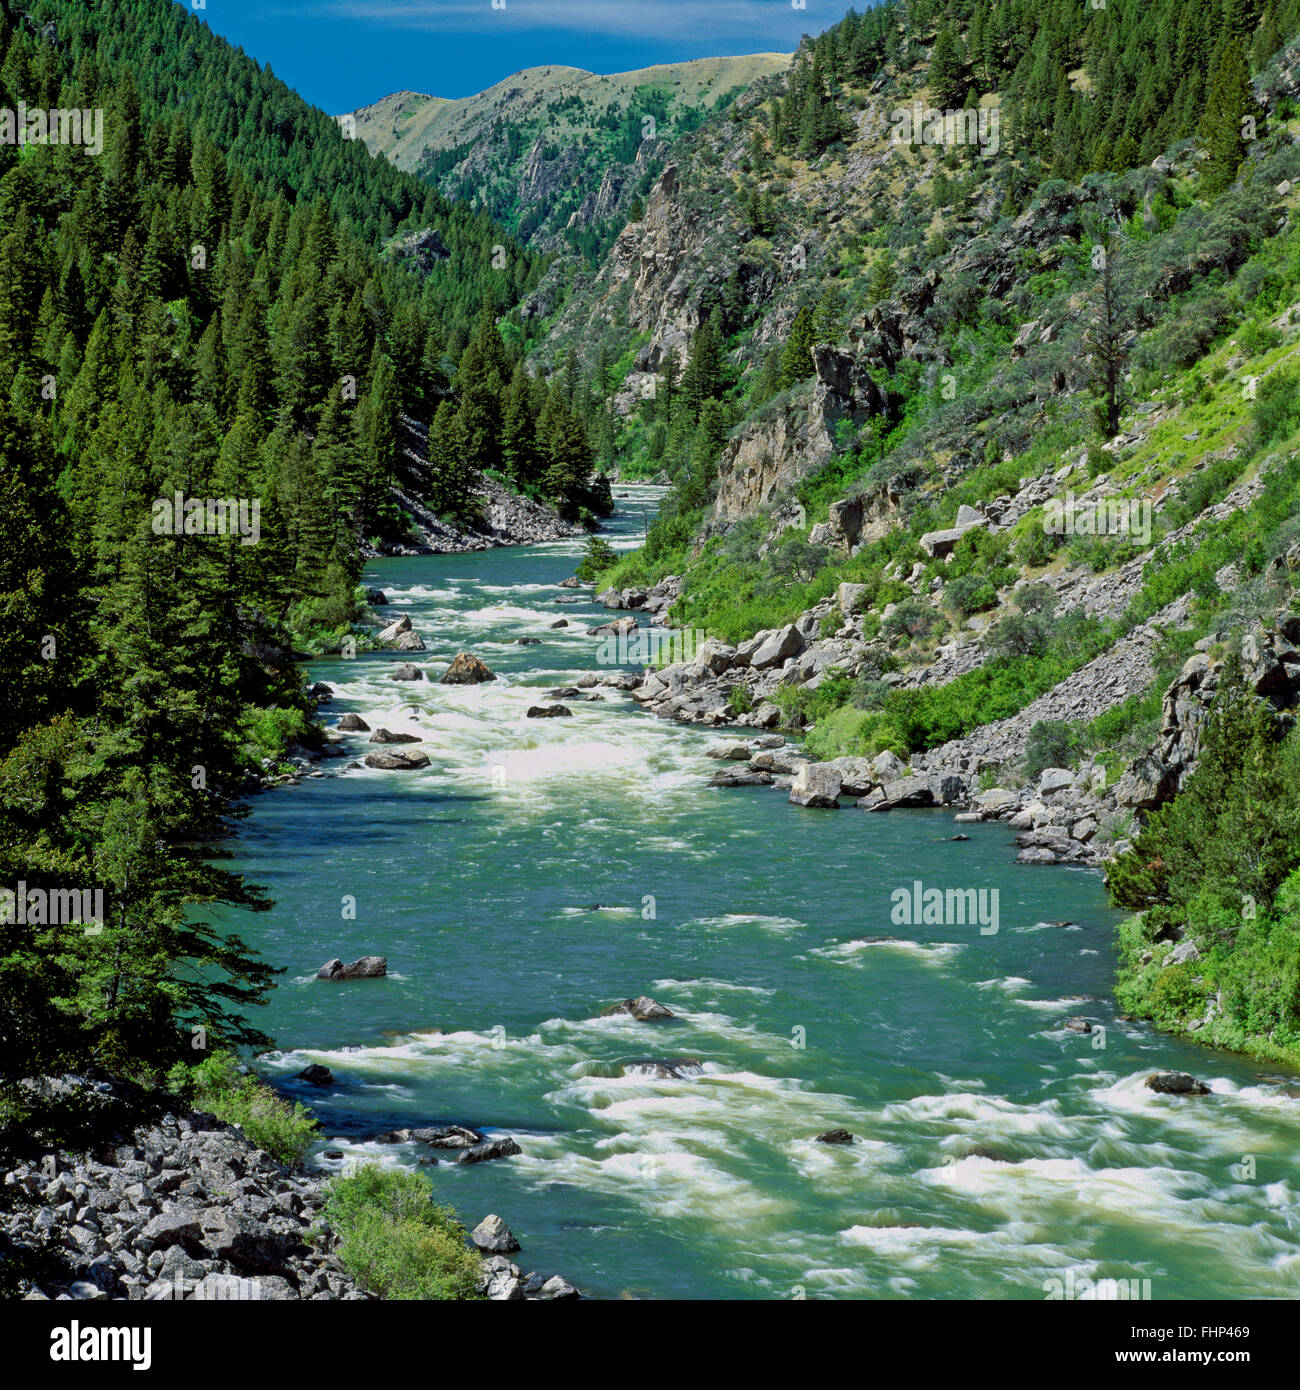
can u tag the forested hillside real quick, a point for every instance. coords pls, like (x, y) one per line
(963, 270)
(204, 309)
(557, 154)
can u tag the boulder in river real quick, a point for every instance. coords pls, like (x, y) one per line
(406, 672)
(740, 777)
(364, 968)
(620, 627)
(353, 723)
(1077, 1025)
(447, 1136)
(316, 1075)
(321, 693)
(410, 642)
(816, 784)
(467, 669)
(398, 760)
(1176, 1083)
(737, 752)
(493, 1236)
(376, 598)
(642, 1008)
(503, 1146)
(386, 736)
(560, 622)
(395, 629)
(834, 1136)
(548, 711)
(528, 641)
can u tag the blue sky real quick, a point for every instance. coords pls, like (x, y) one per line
(341, 54)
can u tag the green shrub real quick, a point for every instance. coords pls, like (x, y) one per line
(217, 1085)
(598, 557)
(740, 700)
(1051, 743)
(395, 1240)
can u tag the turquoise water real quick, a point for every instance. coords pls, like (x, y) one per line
(477, 876)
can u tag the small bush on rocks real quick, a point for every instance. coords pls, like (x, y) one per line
(395, 1240)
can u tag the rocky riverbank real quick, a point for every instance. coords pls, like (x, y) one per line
(1064, 815)
(184, 1206)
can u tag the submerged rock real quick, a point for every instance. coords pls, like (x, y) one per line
(642, 1008)
(668, 1069)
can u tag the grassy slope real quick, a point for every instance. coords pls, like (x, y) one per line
(406, 124)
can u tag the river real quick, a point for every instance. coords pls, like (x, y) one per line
(995, 1151)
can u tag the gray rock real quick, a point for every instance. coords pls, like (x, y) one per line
(364, 968)
(398, 760)
(493, 1236)
(1176, 1083)
(642, 1008)
(501, 1147)
(816, 785)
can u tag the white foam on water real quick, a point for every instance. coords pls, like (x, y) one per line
(909, 1243)
(855, 952)
(750, 919)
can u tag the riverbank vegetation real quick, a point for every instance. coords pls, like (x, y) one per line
(395, 1240)
(1214, 881)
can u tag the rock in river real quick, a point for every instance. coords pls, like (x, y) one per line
(406, 672)
(467, 669)
(1176, 1083)
(398, 761)
(366, 968)
(493, 1236)
(642, 1008)
(834, 1136)
(385, 736)
(548, 711)
(503, 1146)
(816, 784)
(316, 1075)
